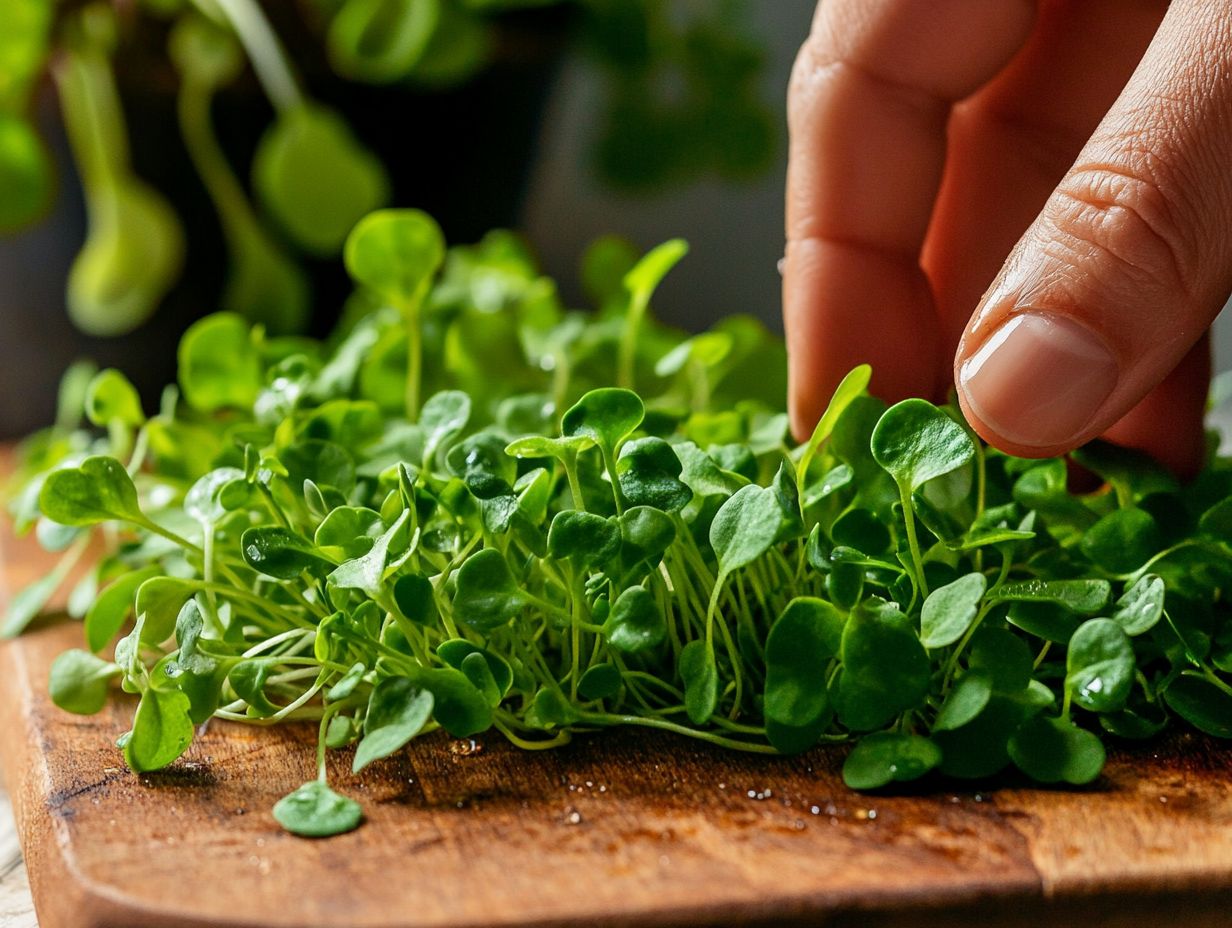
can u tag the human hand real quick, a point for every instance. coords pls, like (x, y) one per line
(927, 135)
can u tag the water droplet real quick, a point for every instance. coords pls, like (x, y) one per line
(780, 264)
(816, 810)
(466, 747)
(872, 814)
(573, 817)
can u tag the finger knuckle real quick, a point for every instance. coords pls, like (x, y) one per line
(1128, 215)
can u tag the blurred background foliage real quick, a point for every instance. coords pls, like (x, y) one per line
(160, 159)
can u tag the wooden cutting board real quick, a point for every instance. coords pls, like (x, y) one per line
(623, 829)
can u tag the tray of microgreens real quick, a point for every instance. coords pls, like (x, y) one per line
(475, 511)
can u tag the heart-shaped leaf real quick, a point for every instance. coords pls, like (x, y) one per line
(745, 527)
(916, 442)
(606, 416)
(395, 253)
(97, 490)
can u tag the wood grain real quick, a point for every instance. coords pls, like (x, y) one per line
(625, 829)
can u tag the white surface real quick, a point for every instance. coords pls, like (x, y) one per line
(16, 905)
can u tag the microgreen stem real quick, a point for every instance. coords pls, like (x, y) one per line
(913, 542)
(1043, 653)
(1215, 680)
(269, 59)
(604, 719)
(951, 665)
(569, 461)
(151, 526)
(502, 725)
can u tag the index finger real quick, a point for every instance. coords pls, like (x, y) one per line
(868, 105)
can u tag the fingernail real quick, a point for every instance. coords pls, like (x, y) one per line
(1039, 379)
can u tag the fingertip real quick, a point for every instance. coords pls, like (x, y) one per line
(1037, 384)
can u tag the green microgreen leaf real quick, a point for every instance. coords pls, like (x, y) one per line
(112, 606)
(949, 610)
(745, 527)
(885, 668)
(97, 490)
(850, 387)
(443, 418)
(162, 730)
(886, 757)
(649, 473)
(487, 595)
(635, 623)
(602, 681)
(1122, 540)
(316, 811)
(219, 366)
(1085, 597)
(1100, 666)
(279, 552)
(606, 416)
(1203, 703)
(1057, 751)
(966, 700)
(590, 540)
(110, 398)
(397, 712)
(1141, 605)
(800, 644)
(79, 681)
(697, 669)
(916, 442)
(1003, 657)
(315, 179)
(367, 572)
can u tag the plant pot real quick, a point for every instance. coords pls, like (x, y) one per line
(463, 154)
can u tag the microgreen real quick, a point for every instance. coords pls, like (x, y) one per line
(532, 552)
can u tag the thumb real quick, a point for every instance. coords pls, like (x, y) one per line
(1128, 263)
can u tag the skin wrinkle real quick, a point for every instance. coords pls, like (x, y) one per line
(1126, 219)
